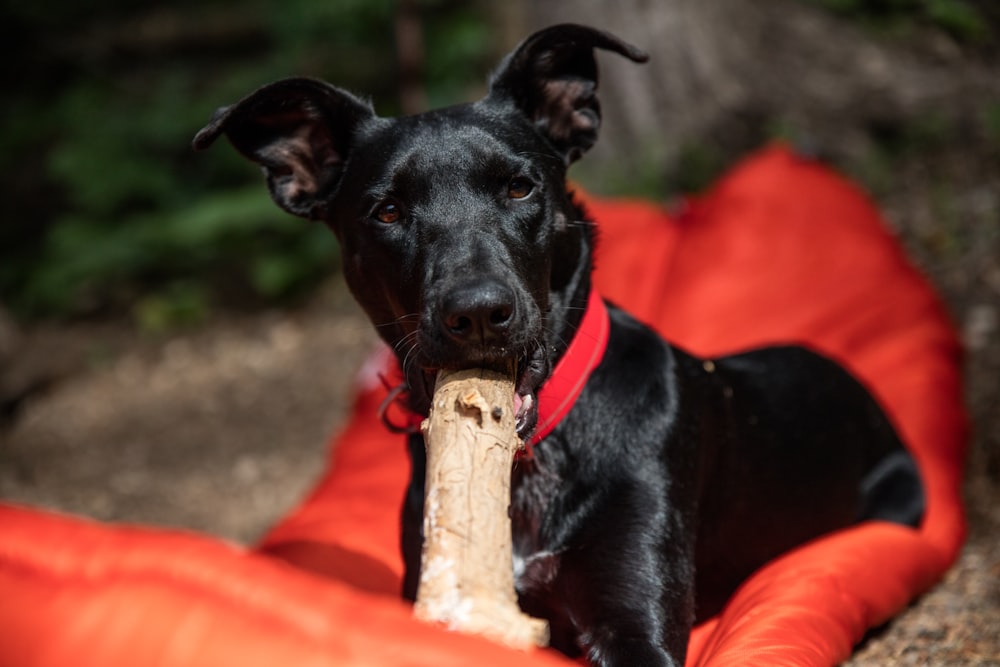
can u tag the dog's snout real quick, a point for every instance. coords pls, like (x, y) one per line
(480, 313)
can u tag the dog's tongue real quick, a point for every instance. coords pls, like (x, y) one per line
(523, 403)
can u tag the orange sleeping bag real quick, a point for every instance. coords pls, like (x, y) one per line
(780, 250)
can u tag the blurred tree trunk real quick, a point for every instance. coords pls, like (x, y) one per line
(728, 73)
(410, 57)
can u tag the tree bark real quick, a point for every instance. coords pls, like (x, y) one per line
(727, 74)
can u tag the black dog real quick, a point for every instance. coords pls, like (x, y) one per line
(672, 478)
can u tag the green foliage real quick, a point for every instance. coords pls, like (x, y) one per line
(991, 116)
(917, 137)
(179, 305)
(107, 207)
(237, 236)
(642, 175)
(698, 165)
(960, 18)
(456, 57)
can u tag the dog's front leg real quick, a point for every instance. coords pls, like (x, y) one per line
(629, 587)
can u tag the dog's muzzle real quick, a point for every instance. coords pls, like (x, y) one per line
(485, 324)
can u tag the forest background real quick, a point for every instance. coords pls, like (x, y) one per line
(175, 350)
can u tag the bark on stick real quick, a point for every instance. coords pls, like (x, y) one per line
(467, 577)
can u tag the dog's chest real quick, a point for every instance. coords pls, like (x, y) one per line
(534, 487)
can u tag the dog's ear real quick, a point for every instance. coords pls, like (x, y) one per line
(552, 78)
(299, 131)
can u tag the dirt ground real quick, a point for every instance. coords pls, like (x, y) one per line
(224, 428)
(220, 429)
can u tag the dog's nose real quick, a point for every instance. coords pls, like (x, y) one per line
(480, 313)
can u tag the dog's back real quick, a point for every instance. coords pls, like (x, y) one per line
(795, 447)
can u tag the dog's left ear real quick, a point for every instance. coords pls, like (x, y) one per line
(552, 79)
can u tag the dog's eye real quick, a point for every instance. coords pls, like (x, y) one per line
(387, 212)
(519, 188)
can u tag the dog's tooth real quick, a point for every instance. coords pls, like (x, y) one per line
(528, 401)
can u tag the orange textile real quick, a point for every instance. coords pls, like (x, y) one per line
(780, 250)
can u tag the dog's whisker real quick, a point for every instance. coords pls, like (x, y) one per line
(557, 337)
(406, 347)
(402, 319)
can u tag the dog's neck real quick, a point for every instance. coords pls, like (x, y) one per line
(582, 356)
(571, 283)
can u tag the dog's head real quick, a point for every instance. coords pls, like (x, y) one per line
(457, 234)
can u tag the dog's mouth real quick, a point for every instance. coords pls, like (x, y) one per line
(531, 371)
(525, 413)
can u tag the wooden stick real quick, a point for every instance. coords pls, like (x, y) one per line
(467, 576)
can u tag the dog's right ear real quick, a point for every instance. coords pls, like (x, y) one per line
(299, 131)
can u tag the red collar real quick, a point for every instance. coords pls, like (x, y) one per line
(559, 393)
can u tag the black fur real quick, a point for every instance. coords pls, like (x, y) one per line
(673, 478)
